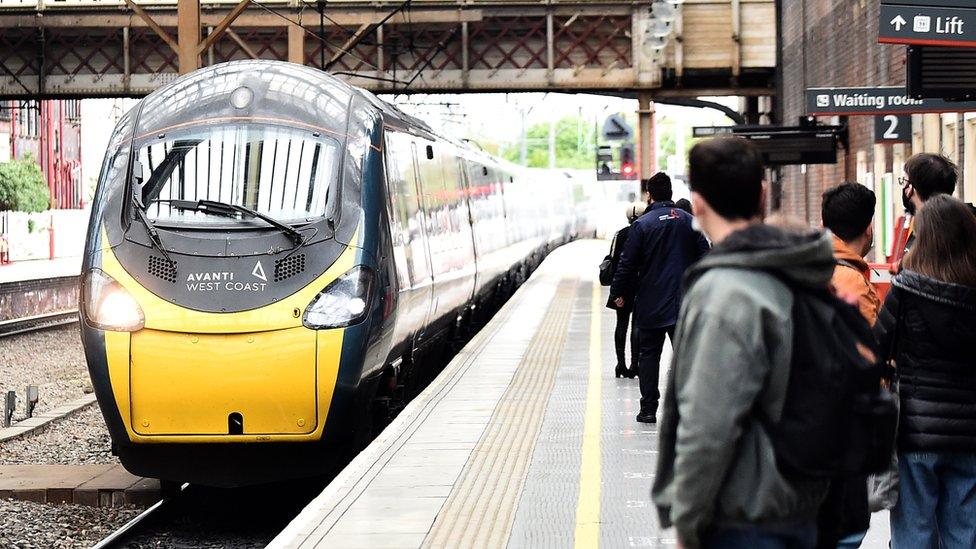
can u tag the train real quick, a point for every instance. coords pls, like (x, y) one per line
(275, 256)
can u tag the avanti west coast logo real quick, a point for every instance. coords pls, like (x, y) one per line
(227, 281)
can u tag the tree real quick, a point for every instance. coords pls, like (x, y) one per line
(22, 186)
(574, 144)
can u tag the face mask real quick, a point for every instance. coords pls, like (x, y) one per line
(907, 201)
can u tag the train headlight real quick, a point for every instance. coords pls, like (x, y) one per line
(109, 306)
(344, 302)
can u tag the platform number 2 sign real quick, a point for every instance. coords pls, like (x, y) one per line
(893, 128)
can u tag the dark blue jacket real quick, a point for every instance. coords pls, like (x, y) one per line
(660, 246)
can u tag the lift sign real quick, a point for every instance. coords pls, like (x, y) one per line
(927, 25)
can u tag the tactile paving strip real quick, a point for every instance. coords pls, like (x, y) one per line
(480, 509)
(547, 509)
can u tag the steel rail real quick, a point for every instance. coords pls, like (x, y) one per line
(44, 321)
(119, 537)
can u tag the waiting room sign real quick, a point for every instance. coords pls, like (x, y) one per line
(876, 101)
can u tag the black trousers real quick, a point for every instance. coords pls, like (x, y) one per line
(649, 364)
(620, 339)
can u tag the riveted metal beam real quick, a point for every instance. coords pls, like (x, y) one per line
(148, 20)
(224, 25)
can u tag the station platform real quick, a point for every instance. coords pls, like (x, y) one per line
(91, 485)
(38, 269)
(525, 440)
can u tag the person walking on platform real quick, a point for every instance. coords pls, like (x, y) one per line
(660, 247)
(633, 212)
(928, 327)
(848, 212)
(717, 480)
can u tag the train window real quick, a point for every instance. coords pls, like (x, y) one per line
(411, 258)
(282, 172)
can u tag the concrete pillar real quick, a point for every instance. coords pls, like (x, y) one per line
(646, 140)
(188, 34)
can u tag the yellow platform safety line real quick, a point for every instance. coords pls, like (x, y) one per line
(588, 502)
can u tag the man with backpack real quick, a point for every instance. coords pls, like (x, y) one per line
(746, 451)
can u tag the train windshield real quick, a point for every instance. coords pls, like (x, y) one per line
(281, 172)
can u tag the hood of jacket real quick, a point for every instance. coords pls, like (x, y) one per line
(946, 293)
(804, 259)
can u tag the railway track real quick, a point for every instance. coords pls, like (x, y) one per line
(37, 322)
(201, 516)
(143, 522)
(30, 305)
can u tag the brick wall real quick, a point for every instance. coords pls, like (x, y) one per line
(825, 44)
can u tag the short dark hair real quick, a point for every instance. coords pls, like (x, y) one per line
(728, 173)
(931, 174)
(847, 210)
(683, 204)
(659, 187)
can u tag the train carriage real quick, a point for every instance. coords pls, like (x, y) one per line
(271, 253)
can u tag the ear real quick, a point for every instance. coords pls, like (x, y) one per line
(870, 230)
(698, 204)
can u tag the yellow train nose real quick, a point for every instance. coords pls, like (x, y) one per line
(260, 383)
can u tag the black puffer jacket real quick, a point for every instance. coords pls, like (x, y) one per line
(930, 327)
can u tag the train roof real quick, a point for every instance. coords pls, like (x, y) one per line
(276, 91)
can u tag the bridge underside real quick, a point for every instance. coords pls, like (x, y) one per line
(477, 46)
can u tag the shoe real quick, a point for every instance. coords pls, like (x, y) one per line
(631, 373)
(621, 371)
(647, 417)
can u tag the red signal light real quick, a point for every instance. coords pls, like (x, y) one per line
(627, 168)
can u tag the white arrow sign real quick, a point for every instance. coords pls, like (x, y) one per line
(898, 22)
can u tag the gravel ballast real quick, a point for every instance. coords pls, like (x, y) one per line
(52, 359)
(80, 438)
(27, 525)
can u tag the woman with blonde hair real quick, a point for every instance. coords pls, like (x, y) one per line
(927, 327)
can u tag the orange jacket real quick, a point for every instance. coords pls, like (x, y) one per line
(850, 282)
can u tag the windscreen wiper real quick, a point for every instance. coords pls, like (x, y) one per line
(233, 210)
(154, 238)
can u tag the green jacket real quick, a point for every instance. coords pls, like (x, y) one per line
(731, 360)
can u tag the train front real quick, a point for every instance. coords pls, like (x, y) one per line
(229, 282)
